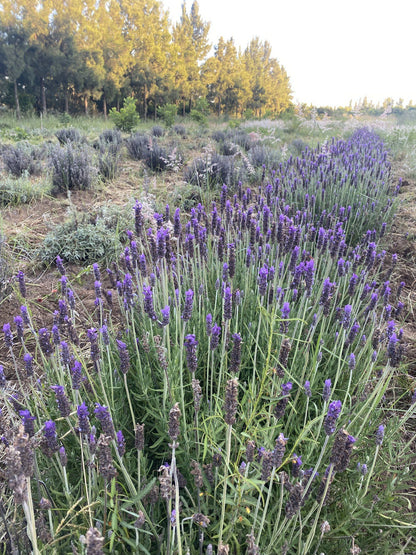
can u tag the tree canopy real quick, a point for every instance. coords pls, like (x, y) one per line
(90, 54)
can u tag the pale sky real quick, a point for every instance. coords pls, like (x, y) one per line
(334, 51)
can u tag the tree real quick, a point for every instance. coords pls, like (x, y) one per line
(191, 45)
(13, 47)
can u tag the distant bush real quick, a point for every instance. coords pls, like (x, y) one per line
(168, 114)
(215, 170)
(198, 116)
(127, 118)
(72, 168)
(264, 156)
(158, 131)
(137, 146)
(69, 135)
(227, 148)
(180, 130)
(111, 137)
(109, 146)
(219, 136)
(21, 158)
(156, 157)
(297, 146)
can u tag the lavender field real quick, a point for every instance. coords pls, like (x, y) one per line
(235, 379)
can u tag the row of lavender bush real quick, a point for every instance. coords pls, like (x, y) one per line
(228, 393)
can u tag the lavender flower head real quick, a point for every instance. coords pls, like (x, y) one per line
(215, 337)
(189, 300)
(28, 359)
(307, 388)
(326, 394)
(61, 400)
(8, 337)
(84, 426)
(190, 347)
(124, 357)
(380, 435)
(22, 285)
(103, 415)
(334, 410)
(121, 443)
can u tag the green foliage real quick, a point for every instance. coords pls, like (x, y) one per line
(198, 116)
(127, 118)
(168, 114)
(85, 238)
(21, 190)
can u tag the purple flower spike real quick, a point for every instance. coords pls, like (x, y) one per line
(22, 285)
(190, 347)
(215, 337)
(60, 266)
(45, 341)
(28, 422)
(124, 357)
(8, 337)
(165, 316)
(235, 361)
(326, 394)
(28, 364)
(334, 410)
(76, 375)
(61, 400)
(227, 304)
(380, 435)
(18, 320)
(208, 321)
(286, 388)
(351, 361)
(103, 415)
(121, 443)
(84, 426)
(307, 388)
(189, 301)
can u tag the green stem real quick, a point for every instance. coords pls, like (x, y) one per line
(224, 495)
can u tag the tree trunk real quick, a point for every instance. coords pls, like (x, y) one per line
(66, 101)
(43, 95)
(145, 103)
(118, 104)
(86, 104)
(16, 100)
(105, 107)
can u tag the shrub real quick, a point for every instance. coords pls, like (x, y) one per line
(108, 161)
(227, 148)
(158, 131)
(21, 158)
(168, 114)
(72, 168)
(156, 157)
(219, 136)
(109, 146)
(214, 170)
(180, 130)
(85, 238)
(127, 118)
(111, 137)
(264, 156)
(198, 116)
(137, 146)
(19, 191)
(69, 135)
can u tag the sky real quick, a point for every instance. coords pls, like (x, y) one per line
(334, 51)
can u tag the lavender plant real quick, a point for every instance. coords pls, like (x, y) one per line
(213, 405)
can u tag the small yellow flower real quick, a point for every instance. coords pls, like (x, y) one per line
(248, 510)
